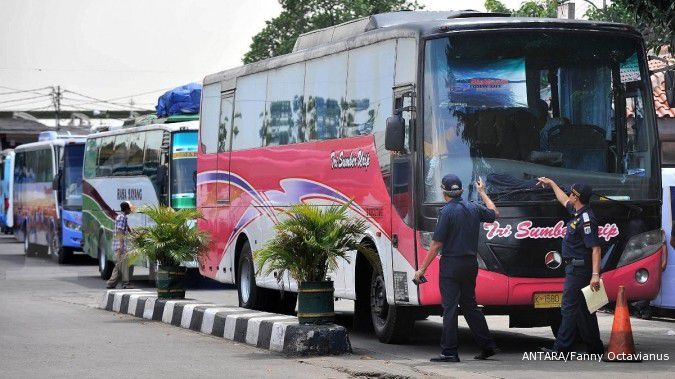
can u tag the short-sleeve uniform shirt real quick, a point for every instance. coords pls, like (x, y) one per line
(581, 235)
(459, 225)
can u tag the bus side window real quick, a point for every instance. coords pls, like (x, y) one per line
(135, 154)
(120, 155)
(91, 157)
(104, 165)
(151, 160)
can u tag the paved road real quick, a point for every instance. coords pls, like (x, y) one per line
(50, 326)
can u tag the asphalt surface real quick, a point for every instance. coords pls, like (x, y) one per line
(50, 327)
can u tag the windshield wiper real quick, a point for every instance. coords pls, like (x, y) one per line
(520, 190)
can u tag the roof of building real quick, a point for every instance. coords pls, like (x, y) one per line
(663, 109)
(23, 126)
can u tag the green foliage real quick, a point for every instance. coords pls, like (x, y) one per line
(300, 16)
(655, 19)
(172, 239)
(310, 241)
(530, 8)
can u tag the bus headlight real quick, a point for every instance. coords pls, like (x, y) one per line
(640, 246)
(72, 225)
(641, 276)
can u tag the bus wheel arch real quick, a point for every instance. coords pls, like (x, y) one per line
(250, 295)
(391, 323)
(105, 267)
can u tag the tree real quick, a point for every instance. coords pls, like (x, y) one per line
(530, 8)
(655, 19)
(300, 16)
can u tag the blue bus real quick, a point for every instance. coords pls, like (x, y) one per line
(48, 195)
(6, 185)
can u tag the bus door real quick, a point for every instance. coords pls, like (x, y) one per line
(402, 235)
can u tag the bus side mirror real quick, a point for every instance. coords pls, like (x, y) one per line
(394, 138)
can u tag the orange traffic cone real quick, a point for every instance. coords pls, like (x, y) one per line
(621, 346)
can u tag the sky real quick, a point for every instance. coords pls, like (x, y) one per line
(119, 50)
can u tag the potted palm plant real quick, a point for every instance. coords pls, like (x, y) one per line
(308, 244)
(171, 239)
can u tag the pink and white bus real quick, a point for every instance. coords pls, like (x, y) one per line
(506, 99)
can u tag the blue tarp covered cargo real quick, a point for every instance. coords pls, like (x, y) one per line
(180, 100)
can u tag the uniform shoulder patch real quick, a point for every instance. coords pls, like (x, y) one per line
(587, 230)
(585, 217)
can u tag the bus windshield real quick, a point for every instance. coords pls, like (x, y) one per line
(184, 169)
(512, 106)
(72, 176)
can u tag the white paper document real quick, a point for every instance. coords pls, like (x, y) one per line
(595, 299)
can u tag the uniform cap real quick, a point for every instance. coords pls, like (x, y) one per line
(582, 191)
(451, 182)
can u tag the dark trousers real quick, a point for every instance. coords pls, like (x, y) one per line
(458, 287)
(575, 314)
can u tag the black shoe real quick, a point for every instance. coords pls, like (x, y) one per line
(127, 287)
(111, 287)
(445, 358)
(486, 353)
(547, 350)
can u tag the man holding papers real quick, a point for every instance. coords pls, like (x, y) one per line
(581, 256)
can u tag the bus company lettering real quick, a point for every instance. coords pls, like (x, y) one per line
(349, 159)
(524, 230)
(129, 194)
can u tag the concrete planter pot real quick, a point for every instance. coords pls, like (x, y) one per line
(315, 303)
(171, 282)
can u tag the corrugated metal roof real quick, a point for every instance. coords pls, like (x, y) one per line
(23, 126)
(663, 109)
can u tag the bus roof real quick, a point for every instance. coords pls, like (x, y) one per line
(172, 127)
(74, 140)
(380, 27)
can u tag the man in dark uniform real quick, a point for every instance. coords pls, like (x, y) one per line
(456, 237)
(581, 256)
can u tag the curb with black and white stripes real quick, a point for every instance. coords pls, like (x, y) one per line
(265, 330)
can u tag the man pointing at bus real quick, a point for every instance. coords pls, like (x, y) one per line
(581, 255)
(456, 238)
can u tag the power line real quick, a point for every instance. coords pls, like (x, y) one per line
(100, 100)
(14, 92)
(23, 99)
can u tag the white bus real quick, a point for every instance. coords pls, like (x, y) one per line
(146, 165)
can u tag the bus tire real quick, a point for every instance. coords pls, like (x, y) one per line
(250, 295)
(55, 250)
(105, 267)
(392, 324)
(27, 250)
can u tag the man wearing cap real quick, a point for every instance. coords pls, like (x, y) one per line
(122, 230)
(456, 238)
(581, 256)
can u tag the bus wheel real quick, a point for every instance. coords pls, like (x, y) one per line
(26, 244)
(105, 267)
(250, 295)
(58, 253)
(392, 324)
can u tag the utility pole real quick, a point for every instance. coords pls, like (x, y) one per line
(131, 107)
(57, 106)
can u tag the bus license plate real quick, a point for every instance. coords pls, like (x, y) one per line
(548, 300)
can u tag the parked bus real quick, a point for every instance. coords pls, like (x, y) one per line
(6, 187)
(48, 195)
(666, 297)
(506, 99)
(147, 165)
